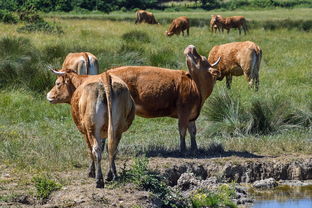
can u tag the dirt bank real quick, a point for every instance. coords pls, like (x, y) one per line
(185, 174)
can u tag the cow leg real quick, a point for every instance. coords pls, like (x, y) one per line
(228, 31)
(112, 150)
(228, 81)
(188, 31)
(182, 32)
(91, 172)
(183, 123)
(192, 131)
(239, 31)
(97, 155)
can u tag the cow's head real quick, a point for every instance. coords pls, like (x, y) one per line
(215, 19)
(196, 62)
(63, 88)
(169, 33)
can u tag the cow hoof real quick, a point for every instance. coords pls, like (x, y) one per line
(100, 184)
(91, 174)
(109, 176)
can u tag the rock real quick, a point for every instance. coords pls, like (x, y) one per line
(266, 183)
(187, 181)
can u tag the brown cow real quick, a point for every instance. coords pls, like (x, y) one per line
(214, 25)
(229, 22)
(145, 16)
(238, 58)
(101, 107)
(83, 63)
(160, 92)
(178, 25)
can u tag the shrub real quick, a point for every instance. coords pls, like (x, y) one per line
(45, 186)
(7, 17)
(41, 26)
(144, 179)
(220, 198)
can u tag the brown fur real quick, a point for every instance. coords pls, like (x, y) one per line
(145, 16)
(81, 63)
(238, 58)
(160, 92)
(214, 25)
(229, 22)
(101, 107)
(178, 25)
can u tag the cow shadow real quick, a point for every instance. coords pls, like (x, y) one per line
(212, 151)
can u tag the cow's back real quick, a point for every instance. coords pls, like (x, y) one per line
(156, 91)
(233, 55)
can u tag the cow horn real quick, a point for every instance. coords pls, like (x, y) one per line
(216, 63)
(56, 72)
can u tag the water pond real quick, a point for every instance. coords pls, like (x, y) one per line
(284, 197)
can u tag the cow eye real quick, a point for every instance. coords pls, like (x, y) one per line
(58, 84)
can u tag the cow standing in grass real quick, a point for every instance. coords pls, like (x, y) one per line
(160, 92)
(101, 107)
(214, 26)
(229, 22)
(145, 16)
(83, 63)
(238, 58)
(178, 25)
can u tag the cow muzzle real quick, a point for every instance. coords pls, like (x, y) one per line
(50, 99)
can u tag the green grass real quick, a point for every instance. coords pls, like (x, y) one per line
(38, 136)
(45, 186)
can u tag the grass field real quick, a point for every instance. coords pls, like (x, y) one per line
(37, 136)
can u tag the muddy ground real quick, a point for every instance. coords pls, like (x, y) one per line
(17, 190)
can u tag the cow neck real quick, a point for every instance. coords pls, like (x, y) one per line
(77, 80)
(204, 82)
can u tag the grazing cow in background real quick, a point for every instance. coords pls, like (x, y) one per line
(214, 25)
(178, 25)
(238, 58)
(229, 22)
(145, 16)
(83, 63)
(101, 107)
(160, 92)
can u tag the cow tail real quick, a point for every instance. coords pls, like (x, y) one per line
(257, 53)
(87, 62)
(106, 79)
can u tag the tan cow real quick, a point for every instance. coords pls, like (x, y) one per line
(101, 107)
(82, 63)
(145, 16)
(160, 92)
(229, 22)
(178, 25)
(238, 58)
(214, 25)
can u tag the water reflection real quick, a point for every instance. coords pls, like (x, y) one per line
(284, 197)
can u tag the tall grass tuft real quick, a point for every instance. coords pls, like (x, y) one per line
(229, 118)
(226, 114)
(136, 35)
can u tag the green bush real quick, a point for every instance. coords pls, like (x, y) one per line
(220, 198)
(140, 175)
(7, 17)
(41, 26)
(45, 186)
